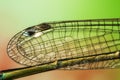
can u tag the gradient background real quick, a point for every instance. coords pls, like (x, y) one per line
(15, 15)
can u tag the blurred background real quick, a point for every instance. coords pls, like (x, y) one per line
(16, 15)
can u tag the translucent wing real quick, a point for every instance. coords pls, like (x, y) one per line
(54, 41)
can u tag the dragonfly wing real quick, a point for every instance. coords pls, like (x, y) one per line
(111, 64)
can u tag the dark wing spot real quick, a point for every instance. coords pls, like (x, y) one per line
(44, 26)
(31, 33)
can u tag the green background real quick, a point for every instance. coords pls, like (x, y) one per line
(19, 14)
(15, 15)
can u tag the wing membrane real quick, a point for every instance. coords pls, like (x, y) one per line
(71, 39)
